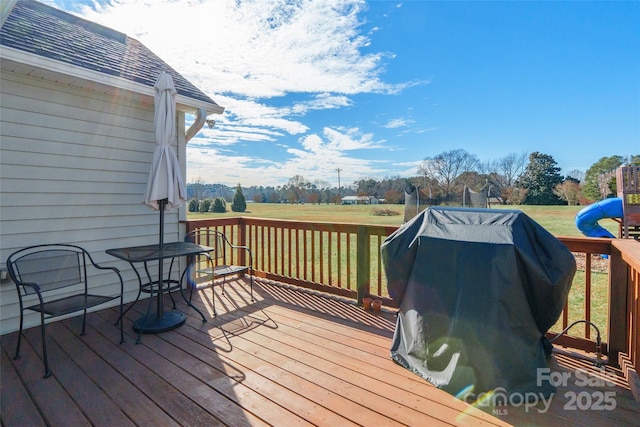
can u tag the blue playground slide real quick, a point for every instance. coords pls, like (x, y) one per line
(587, 219)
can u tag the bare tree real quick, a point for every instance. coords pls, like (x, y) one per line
(368, 186)
(197, 187)
(512, 166)
(508, 169)
(514, 195)
(321, 184)
(392, 196)
(576, 174)
(604, 183)
(505, 172)
(569, 191)
(447, 168)
(297, 188)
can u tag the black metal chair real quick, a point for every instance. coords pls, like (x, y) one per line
(203, 269)
(48, 271)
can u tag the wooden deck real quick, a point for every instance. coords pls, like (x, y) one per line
(290, 358)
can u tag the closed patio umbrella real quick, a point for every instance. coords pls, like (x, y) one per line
(165, 178)
(165, 188)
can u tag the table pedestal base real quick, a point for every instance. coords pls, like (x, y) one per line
(151, 324)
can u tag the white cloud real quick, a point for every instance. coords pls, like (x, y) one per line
(252, 113)
(318, 156)
(344, 139)
(269, 63)
(323, 101)
(396, 123)
(409, 168)
(254, 48)
(337, 141)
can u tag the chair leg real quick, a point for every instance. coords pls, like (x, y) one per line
(47, 371)
(251, 287)
(17, 356)
(84, 322)
(130, 306)
(204, 319)
(213, 298)
(121, 321)
(188, 301)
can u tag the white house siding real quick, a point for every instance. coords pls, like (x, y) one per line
(73, 169)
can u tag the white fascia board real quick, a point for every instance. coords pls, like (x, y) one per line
(184, 103)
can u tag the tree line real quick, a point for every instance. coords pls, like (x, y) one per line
(217, 204)
(518, 178)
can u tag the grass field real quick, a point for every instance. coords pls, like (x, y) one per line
(558, 220)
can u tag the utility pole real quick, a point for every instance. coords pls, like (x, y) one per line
(339, 195)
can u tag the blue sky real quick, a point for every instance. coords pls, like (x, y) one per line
(373, 88)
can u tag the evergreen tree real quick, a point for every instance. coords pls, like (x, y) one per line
(599, 180)
(219, 205)
(204, 205)
(239, 203)
(540, 178)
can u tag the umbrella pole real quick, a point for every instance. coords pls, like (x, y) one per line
(162, 321)
(160, 309)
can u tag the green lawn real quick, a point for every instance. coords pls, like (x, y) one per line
(558, 220)
(599, 304)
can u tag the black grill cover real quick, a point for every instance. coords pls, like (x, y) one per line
(478, 289)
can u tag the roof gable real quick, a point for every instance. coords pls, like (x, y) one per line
(42, 30)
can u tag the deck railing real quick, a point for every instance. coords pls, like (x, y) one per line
(624, 308)
(341, 259)
(344, 259)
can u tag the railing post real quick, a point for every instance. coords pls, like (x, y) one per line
(617, 325)
(242, 240)
(363, 270)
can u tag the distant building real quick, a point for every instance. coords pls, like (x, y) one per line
(359, 200)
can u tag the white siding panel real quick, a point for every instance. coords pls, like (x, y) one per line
(73, 169)
(30, 138)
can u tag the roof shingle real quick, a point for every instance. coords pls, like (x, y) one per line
(39, 29)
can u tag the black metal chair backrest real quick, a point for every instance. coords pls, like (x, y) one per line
(39, 269)
(215, 263)
(212, 238)
(50, 268)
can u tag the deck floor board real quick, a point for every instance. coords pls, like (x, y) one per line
(289, 358)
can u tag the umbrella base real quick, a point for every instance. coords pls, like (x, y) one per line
(151, 324)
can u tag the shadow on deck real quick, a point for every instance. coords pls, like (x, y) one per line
(290, 358)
